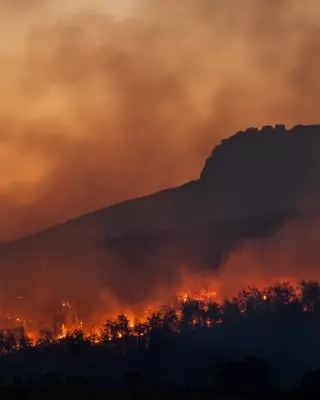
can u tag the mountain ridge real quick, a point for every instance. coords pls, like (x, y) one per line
(267, 131)
(251, 185)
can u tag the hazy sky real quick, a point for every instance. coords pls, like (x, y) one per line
(106, 100)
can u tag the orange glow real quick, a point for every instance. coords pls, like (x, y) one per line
(204, 298)
(90, 100)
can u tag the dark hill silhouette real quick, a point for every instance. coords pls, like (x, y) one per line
(250, 186)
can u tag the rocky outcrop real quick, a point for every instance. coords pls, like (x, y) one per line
(252, 183)
(264, 170)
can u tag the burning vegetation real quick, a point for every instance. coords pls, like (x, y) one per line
(189, 312)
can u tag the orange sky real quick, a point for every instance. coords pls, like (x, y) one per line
(100, 103)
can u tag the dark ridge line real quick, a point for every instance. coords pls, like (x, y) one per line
(278, 129)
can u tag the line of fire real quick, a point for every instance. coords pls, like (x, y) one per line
(65, 320)
(202, 310)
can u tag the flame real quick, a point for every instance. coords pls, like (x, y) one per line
(128, 325)
(137, 321)
(63, 332)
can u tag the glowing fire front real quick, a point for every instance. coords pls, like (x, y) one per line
(204, 295)
(203, 309)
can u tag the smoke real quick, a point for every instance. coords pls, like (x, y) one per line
(100, 104)
(292, 255)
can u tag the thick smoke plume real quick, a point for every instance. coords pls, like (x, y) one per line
(101, 103)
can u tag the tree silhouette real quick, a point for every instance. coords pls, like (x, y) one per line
(231, 310)
(170, 320)
(155, 320)
(281, 294)
(191, 312)
(310, 294)
(123, 326)
(178, 340)
(8, 342)
(77, 337)
(213, 313)
(24, 342)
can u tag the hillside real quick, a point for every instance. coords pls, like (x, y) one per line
(251, 184)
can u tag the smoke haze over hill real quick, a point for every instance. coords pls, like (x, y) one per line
(99, 104)
(252, 218)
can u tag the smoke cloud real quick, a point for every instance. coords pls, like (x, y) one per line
(102, 103)
(291, 255)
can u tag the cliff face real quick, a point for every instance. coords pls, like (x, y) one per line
(251, 184)
(264, 170)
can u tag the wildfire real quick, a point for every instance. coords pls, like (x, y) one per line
(203, 295)
(202, 308)
(63, 332)
(185, 297)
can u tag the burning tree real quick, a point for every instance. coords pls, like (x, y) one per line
(281, 300)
